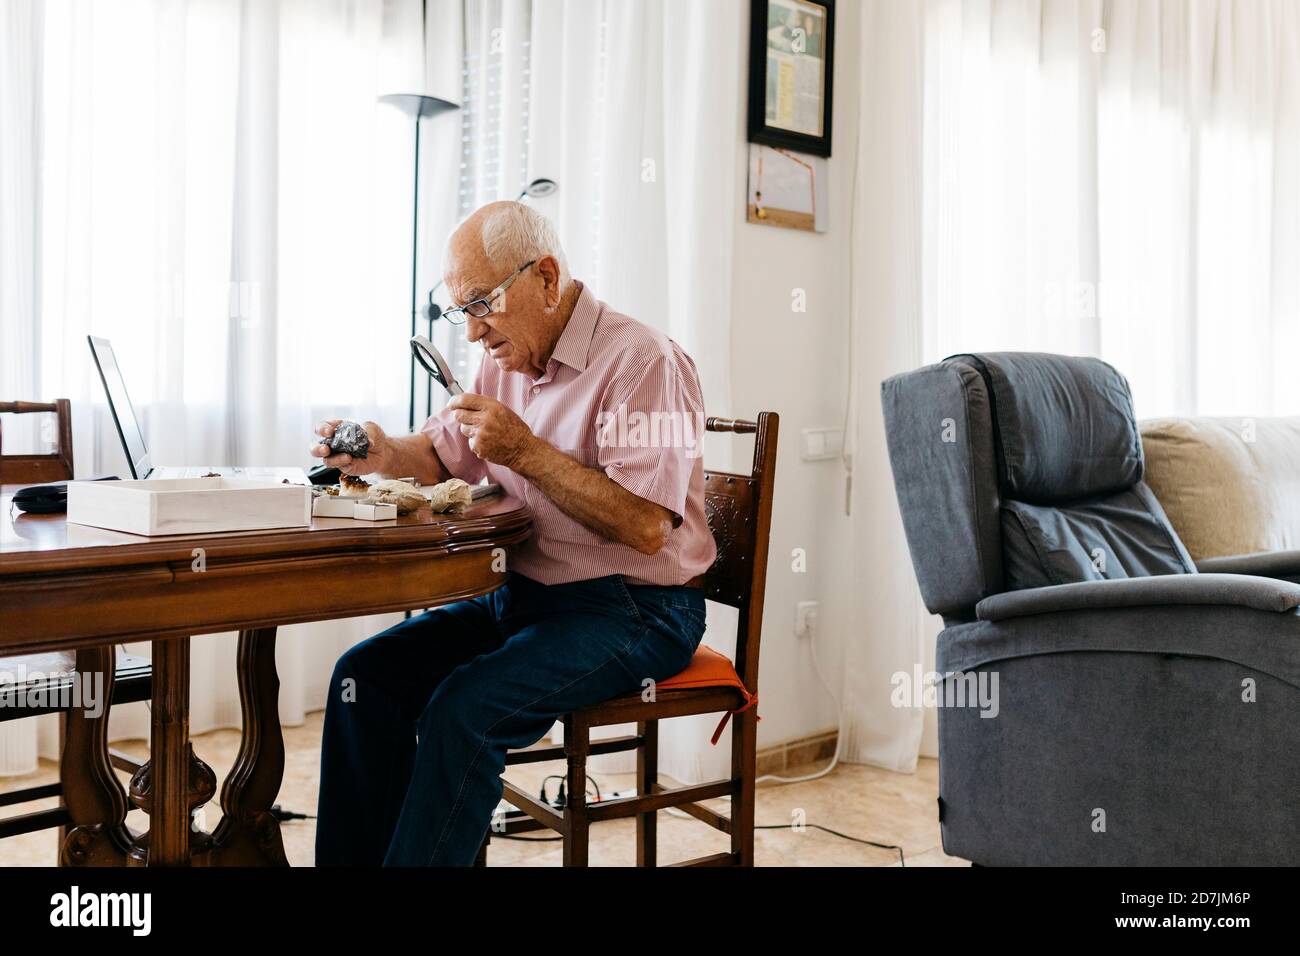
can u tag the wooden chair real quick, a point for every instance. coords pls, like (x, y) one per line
(740, 516)
(129, 676)
(38, 469)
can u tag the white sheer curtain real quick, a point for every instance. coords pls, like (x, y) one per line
(1200, 205)
(886, 339)
(1116, 178)
(1009, 176)
(213, 186)
(1120, 179)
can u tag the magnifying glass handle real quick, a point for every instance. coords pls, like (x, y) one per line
(428, 355)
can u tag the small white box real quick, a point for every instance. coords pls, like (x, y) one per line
(333, 506)
(188, 505)
(375, 512)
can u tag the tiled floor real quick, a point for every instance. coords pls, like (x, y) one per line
(862, 802)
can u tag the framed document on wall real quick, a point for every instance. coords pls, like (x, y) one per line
(791, 68)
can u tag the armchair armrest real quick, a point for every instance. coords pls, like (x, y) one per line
(1166, 590)
(1267, 564)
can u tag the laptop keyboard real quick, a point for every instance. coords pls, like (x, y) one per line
(195, 472)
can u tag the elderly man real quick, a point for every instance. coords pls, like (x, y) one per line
(603, 597)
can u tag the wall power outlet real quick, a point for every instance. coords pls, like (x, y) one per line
(805, 618)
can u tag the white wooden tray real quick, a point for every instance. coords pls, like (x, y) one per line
(188, 505)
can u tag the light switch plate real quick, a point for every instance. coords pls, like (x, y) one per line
(822, 444)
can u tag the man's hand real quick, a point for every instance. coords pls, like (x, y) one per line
(495, 433)
(587, 495)
(380, 459)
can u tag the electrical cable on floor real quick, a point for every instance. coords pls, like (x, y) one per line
(842, 836)
(764, 826)
(523, 839)
(560, 800)
(839, 725)
(675, 811)
(283, 815)
(848, 445)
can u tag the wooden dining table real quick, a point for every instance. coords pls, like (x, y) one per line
(70, 587)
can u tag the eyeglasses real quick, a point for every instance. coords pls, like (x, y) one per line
(482, 307)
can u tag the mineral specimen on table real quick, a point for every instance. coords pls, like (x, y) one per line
(403, 494)
(350, 439)
(350, 486)
(451, 495)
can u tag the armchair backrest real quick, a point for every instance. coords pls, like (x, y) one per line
(1021, 469)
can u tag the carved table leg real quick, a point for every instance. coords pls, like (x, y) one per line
(95, 801)
(248, 835)
(174, 781)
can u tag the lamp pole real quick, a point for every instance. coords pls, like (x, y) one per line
(417, 106)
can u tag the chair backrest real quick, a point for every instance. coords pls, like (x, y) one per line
(1021, 469)
(739, 509)
(35, 469)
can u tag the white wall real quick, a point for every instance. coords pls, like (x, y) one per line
(797, 364)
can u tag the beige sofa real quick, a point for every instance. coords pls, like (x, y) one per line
(1231, 489)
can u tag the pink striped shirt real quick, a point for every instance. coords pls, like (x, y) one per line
(619, 396)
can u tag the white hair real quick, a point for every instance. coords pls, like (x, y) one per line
(515, 233)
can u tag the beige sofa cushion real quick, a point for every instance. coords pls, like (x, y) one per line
(1228, 485)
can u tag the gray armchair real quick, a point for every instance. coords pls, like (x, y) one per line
(1143, 713)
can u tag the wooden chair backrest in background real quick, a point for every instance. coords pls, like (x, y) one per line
(36, 469)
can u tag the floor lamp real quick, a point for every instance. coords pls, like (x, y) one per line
(417, 106)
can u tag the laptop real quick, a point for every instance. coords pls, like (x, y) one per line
(137, 452)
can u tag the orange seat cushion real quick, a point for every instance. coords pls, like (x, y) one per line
(708, 668)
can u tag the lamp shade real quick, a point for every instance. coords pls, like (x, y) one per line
(418, 105)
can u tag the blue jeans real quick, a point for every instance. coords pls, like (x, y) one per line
(419, 718)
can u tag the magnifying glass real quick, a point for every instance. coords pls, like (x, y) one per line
(428, 356)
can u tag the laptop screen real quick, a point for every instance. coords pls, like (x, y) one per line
(128, 428)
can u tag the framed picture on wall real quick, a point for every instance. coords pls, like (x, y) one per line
(786, 189)
(791, 68)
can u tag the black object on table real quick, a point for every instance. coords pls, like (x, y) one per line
(47, 499)
(324, 475)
